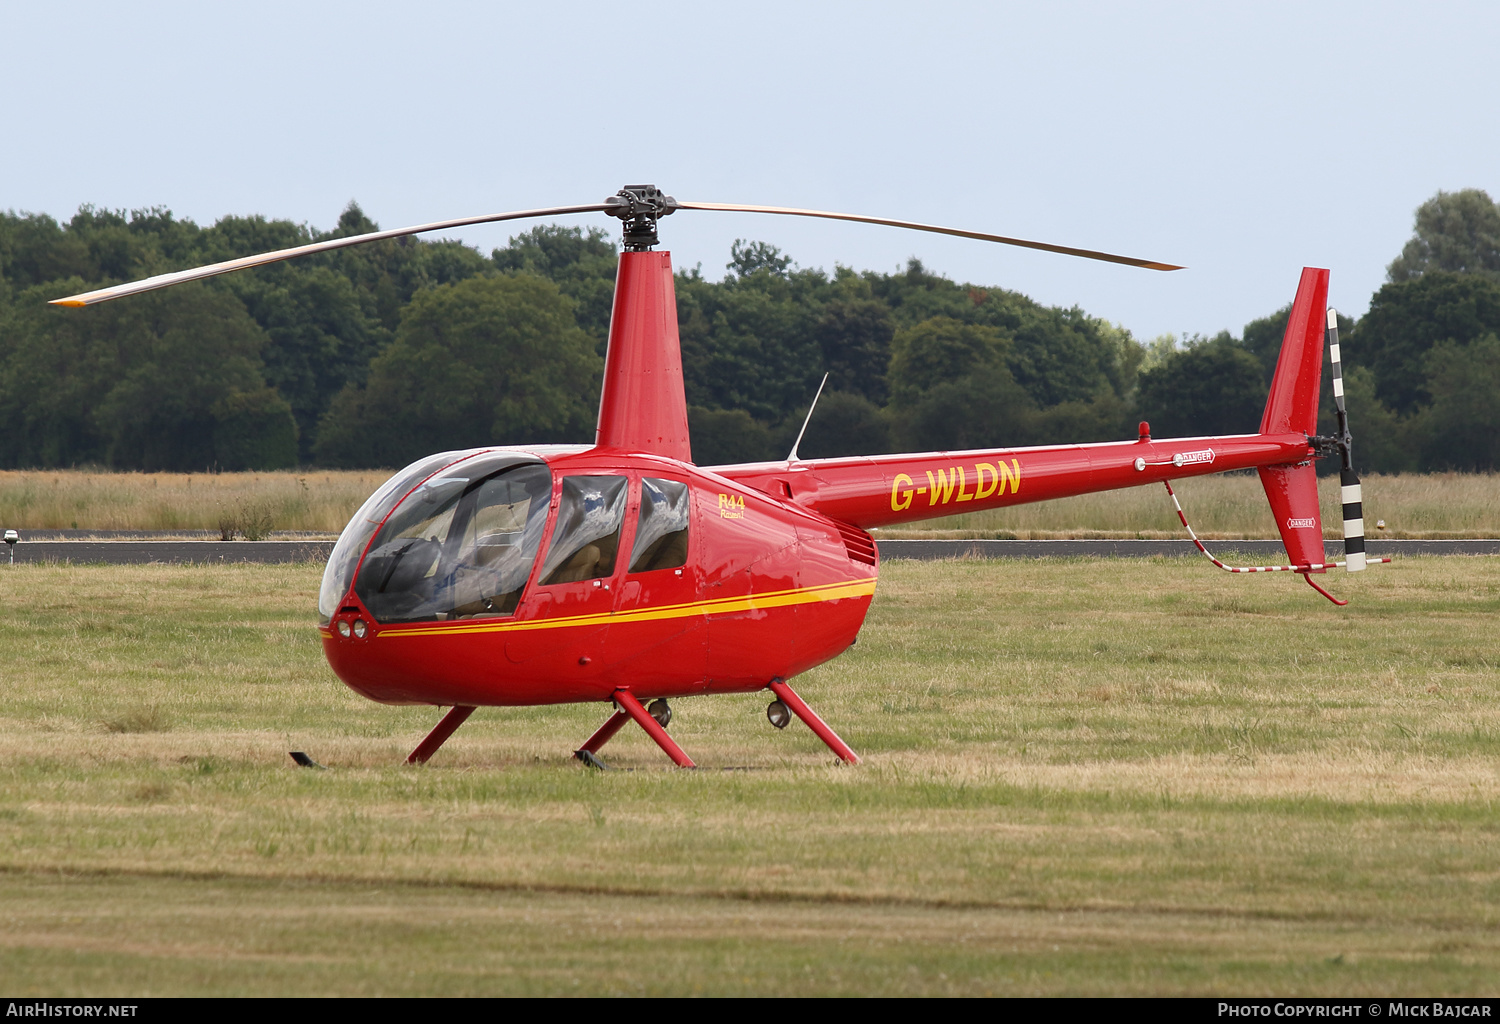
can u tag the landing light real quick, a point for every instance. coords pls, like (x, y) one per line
(661, 711)
(360, 628)
(778, 714)
(343, 629)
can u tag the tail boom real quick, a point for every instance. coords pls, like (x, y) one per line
(891, 489)
(885, 490)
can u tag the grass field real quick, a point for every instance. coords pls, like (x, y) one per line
(1219, 507)
(1081, 777)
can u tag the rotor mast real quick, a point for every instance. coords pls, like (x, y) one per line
(643, 403)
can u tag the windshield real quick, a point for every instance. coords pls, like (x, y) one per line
(340, 571)
(461, 545)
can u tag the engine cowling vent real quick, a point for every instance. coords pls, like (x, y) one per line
(859, 544)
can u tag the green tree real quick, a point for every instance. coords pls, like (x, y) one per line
(747, 258)
(750, 342)
(854, 339)
(1263, 338)
(322, 335)
(177, 354)
(1106, 417)
(328, 315)
(490, 360)
(1065, 355)
(1461, 428)
(50, 379)
(1457, 232)
(951, 387)
(842, 424)
(1383, 441)
(1212, 387)
(1057, 355)
(133, 383)
(725, 437)
(1407, 320)
(94, 245)
(916, 294)
(254, 430)
(581, 263)
(232, 237)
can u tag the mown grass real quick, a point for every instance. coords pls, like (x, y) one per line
(1081, 777)
(1223, 507)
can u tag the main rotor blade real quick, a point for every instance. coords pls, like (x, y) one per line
(214, 269)
(1066, 250)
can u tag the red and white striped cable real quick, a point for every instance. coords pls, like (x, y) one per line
(1310, 567)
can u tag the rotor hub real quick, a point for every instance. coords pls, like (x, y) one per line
(640, 207)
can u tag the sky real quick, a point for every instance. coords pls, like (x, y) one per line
(1245, 141)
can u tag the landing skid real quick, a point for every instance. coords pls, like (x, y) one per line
(627, 708)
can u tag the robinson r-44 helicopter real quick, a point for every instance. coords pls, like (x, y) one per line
(621, 573)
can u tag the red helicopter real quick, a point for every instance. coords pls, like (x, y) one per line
(621, 573)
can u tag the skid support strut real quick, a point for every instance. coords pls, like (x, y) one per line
(789, 697)
(438, 736)
(626, 702)
(605, 732)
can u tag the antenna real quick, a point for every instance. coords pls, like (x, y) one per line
(798, 443)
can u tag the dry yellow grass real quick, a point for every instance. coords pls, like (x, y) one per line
(1221, 507)
(319, 501)
(1233, 507)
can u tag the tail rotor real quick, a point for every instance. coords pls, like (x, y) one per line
(1349, 489)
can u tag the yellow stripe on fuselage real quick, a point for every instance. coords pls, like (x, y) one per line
(717, 606)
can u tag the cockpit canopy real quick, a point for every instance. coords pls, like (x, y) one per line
(456, 538)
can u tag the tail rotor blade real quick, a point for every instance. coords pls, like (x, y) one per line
(1090, 254)
(1354, 521)
(1350, 494)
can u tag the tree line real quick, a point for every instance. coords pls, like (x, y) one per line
(378, 354)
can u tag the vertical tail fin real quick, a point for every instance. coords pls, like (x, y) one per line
(1293, 402)
(1293, 407)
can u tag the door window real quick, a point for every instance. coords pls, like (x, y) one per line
(661, 534)
(586, 538)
